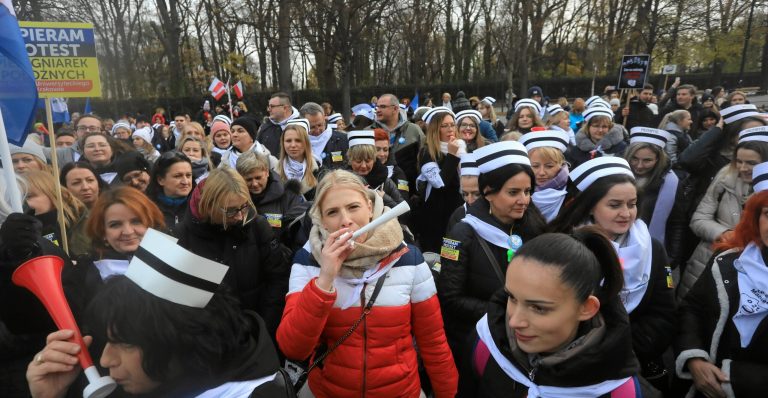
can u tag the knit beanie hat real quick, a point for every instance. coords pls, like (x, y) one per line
(130, 161)
(248, 124)
(30, 148)
(219, 125)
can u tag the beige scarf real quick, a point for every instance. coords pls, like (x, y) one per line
(378, 244)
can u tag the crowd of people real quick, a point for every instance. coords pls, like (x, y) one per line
(607, 247)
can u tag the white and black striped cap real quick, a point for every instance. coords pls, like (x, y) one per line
(548, 138)
(594, 169)
(168, 271)
(591, 99)
(361, 137)
(335, 117)
(120, 125)
(468, 165)
(735, 113)
(299, 122)
(529, 103)
(427, 117)
(555, 109)
(471, 113)
(223, 118)
(489, 100)
(498, 154)
(759, 133)
(589, 113)
(653, 136)
(760, 177)
(599, 103)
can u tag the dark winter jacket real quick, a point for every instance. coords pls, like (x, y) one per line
(280, 204)
(259, 264)
(432, 215)
(639, 115)
(406, 140)
(334, 154)
(269, 135)
(605, 353)
(612, 144)
(707, 330)
(695, 110)
(677, 222)
(173, 211)
(467, 276)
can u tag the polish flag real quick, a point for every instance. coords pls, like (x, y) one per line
(217, 88)
(238, 89)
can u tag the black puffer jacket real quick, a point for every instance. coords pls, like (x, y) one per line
(173, 213)
(706, 323)
(259, 264)
(280, 204)
(467, 278)
(334, 154)
(601, 357)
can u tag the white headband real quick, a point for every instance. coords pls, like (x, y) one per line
(470, 113)
(299, 122)
(432, 112)
(361, 137)
(735, 113)
(650, 135)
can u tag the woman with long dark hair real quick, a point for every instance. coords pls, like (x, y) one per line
(608, 198)
(170, 186)
(475, 253)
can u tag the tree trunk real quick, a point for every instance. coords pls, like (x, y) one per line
(284, 49)
(764, 63)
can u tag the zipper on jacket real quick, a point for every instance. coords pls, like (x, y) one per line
(532, 373)
(365, 338)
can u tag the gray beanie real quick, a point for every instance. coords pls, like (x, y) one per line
(30, 148)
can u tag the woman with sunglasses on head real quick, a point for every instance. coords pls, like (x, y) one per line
(475, 252)
(607, 197)
(169, 187)
(557, 329)
(334, 278)
(221, 224)
(723, 338)
(439, 179)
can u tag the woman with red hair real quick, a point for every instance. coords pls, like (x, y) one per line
(394, 172)
(724, 331)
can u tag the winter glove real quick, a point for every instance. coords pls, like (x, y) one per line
(19, 233)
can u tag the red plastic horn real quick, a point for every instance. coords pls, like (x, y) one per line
(42, 276)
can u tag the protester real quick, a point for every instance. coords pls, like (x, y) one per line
(197, 152)
(678, 123)
(133, 170)
(489, 115)
(280, 113)
(329, 146)
(65, 138)
(243, 140)
(557, 328)
(394, 172)
(526, 116)
(334, 276)
(170, 186)
(597, 137)
(474, 254)
(638, 113)
(559, 119)
(546, 150)
(468, 124)
(100, 151)
(468, 186)
(28, 157)
(608, 198)
(296, 159)
(439, 179)
(142, 141)
(81, 179)
(363, 162)
(221, 137)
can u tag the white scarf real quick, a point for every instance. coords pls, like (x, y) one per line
(636, 260)
(430, 173)
(663, 207)
(236, 389)
(549, 202)
(462, 147)
(294, 115)
(108, 177)
(111, 267)
(319, 142)
(753, 289)
(534, 390)
(390, 170)
(234, 154)
(349, 288)
(488, 232)
(294, 170)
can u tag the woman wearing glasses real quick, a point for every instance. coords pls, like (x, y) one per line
(221, 224)
(468, 123)
(169, 187)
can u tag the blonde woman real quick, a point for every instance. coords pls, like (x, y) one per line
(296, 160)
(334, 275)
(142, 141)
(222, 225)
(678, 123)
(559, 119)
(489, 115)
(41, 198)
(197, 151)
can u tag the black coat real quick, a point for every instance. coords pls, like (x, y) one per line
(334, 154)
(705, 316)
(467, 279)
(172, 214)
(599, 359)
(259, 264)
(269, 135)
(695, 110)
(432, 215)
(280, 205)
(639, 115)
(677, 222)
(653, 320)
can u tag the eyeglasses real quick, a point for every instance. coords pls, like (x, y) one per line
(231, 212)
(90, 129)
(466, 126)
(448, 125)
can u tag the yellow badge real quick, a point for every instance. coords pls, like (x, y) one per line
(450, 249)
(402, 185)
(274, 220)
(337, 156)
(670, 282)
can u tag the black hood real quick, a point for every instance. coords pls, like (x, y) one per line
(608, 357)
(273, 192)
(377, 175)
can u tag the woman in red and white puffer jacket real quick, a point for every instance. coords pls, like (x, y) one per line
(330, 278)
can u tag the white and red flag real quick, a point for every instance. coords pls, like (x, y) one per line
(217, 88)
(238, 89)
